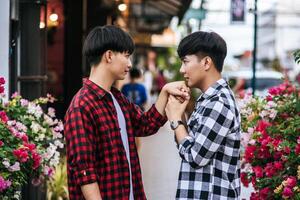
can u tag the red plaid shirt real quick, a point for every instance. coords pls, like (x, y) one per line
(95, 151)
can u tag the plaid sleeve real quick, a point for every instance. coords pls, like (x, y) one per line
(212, 126)
(80, 149)
(147, 123)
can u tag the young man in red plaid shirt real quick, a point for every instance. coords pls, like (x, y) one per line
(101, 124)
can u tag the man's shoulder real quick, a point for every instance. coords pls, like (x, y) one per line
(82, 98)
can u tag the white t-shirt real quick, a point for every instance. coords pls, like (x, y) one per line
(122, 125)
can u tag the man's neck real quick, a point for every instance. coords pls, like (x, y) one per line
(100, 77)
(209, 81)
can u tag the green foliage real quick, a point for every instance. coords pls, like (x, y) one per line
(57, 188)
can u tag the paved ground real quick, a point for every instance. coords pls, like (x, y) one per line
(160, 165)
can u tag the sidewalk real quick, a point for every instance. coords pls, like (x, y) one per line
(160, 165)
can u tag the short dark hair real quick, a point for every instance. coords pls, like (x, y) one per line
(135, 73)
(206, 44)
(103, 38)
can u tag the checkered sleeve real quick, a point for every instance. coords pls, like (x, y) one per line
(146, 123)
(210, 129)
(80, 149)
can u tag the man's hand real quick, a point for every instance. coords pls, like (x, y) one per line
(174, 108)
(178, 89)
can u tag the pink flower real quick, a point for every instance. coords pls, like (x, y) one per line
(258, 171)
(287, 192)
(1, 143)
(291, 181)
(4, 184)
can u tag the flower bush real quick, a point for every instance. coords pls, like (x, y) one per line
(29, 142)
(271, 140)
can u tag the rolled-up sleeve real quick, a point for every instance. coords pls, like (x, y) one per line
(80, 148)
(211, 130)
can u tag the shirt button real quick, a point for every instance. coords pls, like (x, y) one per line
(84, 173)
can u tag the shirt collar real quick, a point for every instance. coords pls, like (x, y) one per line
(98, 90)
(213, 89)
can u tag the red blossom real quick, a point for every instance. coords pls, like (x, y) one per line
(244, 179)
(270, 170)
(258, 171)
(278, 165)
(269, 98)
(287, 192)
(36, 160)
(30, 146)
(297, 149)
(262, 126)
(1, 143)
(2, 81)
(21, 154)
(249, 153)
(264, 193)
(3, 116)
(1, 89)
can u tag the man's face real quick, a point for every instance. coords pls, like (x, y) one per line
(193, 70)
(121, 65)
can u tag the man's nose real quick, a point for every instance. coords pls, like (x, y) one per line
(181, 70)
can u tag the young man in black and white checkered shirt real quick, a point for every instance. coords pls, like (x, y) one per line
(210, 145)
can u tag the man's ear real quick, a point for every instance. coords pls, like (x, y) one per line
(207, 62)
(108, 55)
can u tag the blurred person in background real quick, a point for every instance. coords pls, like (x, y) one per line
(134, 90)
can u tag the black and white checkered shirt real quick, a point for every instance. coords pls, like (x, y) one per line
(210, 167)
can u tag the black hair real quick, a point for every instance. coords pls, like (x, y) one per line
(103, 38)
(204, 44)
(135, 73)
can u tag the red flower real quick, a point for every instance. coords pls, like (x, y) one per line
(36, 160)
(297, 149)
(30, 146)
(258, 171)
(244, 179)
(269, 98)
(278, 165)
(262, 126)
(1, 143)
(249, 153)
(3, 116)
(21, 154)
(2, 80)
(270, 170)
(254, 196)
(263, 193)
(287, 192)
(1, 89)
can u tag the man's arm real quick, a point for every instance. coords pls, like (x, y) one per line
(91, 191)
(80, 150)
